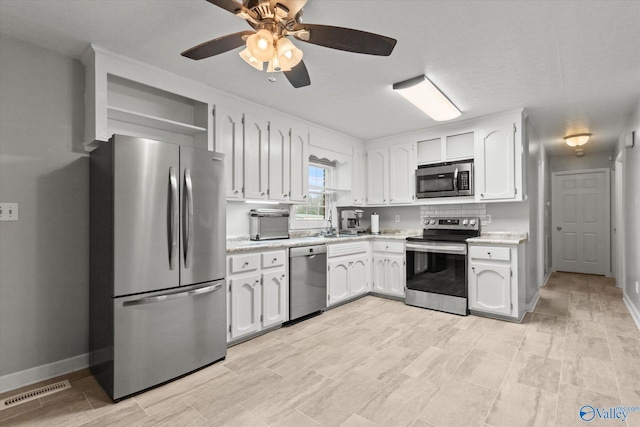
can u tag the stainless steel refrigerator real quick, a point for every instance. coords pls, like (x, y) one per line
(158, 230)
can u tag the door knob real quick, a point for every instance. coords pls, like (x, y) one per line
(559, 228)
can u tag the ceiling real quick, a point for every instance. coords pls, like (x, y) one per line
(573, 65)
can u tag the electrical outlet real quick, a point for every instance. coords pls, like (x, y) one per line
(8, 211)
(397, 218)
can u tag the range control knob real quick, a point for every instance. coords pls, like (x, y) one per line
(472, 222)
(465, 222)
(432, 222)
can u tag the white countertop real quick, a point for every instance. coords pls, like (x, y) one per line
(500, 238)
(249, 245)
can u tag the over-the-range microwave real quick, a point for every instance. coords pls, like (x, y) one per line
(445, 180)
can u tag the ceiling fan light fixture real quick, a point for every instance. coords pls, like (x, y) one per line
(274, 64)
(288, 54)
(251, 60)
(577, 140)
(428, 98)
(260, 45)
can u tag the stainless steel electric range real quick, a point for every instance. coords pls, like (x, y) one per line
(437, 264)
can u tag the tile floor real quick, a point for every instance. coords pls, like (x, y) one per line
(377, 362)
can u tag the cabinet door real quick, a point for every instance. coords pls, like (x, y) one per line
(299, 155)
(490, 288)
(274, 291)
(338, 281)
(377, 176)
(256, 157)
(395, 275)
(495, 170)
(245, 305)
(402, 173)
(229, 141)
(358, 276)
(358, 179)
(379, 274)
(279, 164)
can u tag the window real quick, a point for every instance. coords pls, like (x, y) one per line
(315, 212)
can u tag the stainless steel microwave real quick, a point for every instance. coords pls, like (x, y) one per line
(444, 180)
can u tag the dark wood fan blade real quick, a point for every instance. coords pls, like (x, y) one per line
(348, 39)
(298, 76)
(228, 5)
(217, 46)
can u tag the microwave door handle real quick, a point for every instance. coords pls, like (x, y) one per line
(455, 180)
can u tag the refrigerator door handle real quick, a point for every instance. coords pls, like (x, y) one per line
(165, 297)
(188, 219)
(173, 218)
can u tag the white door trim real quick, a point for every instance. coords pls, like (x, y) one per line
(618, 209)
(607, 213)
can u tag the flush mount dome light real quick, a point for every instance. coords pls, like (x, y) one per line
(427, 97)
(577, 140)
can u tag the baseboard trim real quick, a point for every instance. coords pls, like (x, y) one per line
(43, 372)
(532, 305)
(632, 310)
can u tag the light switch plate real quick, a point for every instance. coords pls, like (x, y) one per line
(8, 211)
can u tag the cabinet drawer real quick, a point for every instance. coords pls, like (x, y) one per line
(496, 253)
(273, 259)
(244, 263)
(388, 247)
(347, 249)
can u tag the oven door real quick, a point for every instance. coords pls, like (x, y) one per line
(438, 268)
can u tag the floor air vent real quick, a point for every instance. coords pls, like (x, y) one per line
(33, 394)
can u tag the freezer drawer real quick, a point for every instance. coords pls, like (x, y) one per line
(162, 335)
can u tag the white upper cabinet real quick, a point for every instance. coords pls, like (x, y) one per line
(256, 157)
(228, 140)
(391, 174)
(377, 176)
(495, 166)
(359, 177)
(448, 147)
(299, 158)
(136, 99)
(279, 161)
(402, 168)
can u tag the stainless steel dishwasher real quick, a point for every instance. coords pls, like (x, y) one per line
(307, 280)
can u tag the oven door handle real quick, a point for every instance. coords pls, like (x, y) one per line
(444, 249)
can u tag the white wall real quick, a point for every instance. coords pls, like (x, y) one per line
(44, 257)
(589, 161)
(631, 208)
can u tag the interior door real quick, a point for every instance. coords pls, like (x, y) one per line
(203, 216)
(581, 239)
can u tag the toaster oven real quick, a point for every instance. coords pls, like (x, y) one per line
(268, 224)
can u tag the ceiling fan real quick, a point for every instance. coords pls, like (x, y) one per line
(273, 21)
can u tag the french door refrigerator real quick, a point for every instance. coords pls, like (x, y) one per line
(158, 230)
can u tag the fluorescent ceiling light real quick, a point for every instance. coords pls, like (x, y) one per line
(427, 97)
(577, 140)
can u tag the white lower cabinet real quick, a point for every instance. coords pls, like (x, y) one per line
(496, 280)
(257, 298)
(348, 271)
(389, 275)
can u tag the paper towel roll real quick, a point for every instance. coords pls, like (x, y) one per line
(375, 223)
